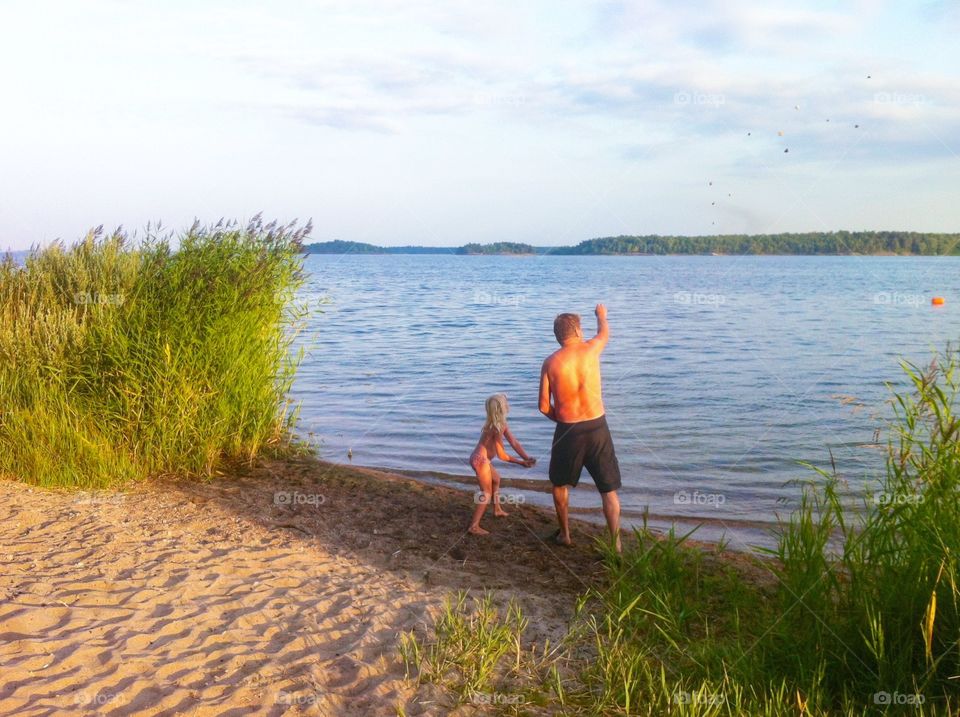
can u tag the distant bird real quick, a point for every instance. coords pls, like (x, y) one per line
(868, 77)
(796, 107)
(785, 151)
(350, 453)
(712, 203)
(729, 195)
(780, 134)
(748, 134)
(828, 119)
(856, 126)
(710, 183)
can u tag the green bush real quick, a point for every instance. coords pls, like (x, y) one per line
(121, 361)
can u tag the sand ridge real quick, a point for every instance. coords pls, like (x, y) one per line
(158, 610)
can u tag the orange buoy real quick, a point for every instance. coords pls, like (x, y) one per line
(937, 301)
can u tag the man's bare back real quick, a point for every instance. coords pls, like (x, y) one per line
(570, 385)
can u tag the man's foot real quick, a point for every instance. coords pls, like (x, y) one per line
(558, 538)
(477, 530)
(500, 513)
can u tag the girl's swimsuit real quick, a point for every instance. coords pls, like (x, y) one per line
(478, 458)
(479, 455)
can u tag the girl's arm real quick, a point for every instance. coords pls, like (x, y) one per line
(515, 443)
(503, 455)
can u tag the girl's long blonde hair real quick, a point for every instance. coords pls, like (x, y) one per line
(497, 409)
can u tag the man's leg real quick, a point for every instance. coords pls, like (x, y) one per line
(611, 511)
(605, 471)
(561, 501)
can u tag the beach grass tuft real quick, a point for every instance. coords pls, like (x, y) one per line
(170, 355)
(477, 651)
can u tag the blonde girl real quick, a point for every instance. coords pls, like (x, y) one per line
(495, 429)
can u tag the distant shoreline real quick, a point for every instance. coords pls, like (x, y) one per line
(840, 243)
(615, 255)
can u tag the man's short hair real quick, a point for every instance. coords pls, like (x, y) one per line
(565, 326)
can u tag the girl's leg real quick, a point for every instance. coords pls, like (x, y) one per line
(483, 498)
(497, 508)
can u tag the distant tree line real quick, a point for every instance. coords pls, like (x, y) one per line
(841, 242)
(500, 247)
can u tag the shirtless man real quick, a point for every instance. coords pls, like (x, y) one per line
(570, 395)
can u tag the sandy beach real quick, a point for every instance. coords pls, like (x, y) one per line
(279, 589)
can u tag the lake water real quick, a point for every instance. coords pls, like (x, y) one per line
(722, 373)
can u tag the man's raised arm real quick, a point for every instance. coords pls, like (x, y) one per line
(603, 330)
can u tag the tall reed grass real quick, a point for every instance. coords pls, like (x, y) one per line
(869, 599)
(121, 360)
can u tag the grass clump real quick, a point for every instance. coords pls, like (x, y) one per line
(476, 650)
(119, 361)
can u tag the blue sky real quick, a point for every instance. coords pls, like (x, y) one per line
(448, 122)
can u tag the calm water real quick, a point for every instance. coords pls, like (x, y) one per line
(721, 374)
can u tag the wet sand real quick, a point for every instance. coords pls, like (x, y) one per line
(739, 535)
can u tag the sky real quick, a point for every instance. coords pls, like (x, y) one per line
(442, 123)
